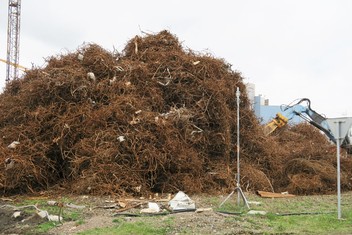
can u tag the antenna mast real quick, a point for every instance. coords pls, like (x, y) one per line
(13, 39)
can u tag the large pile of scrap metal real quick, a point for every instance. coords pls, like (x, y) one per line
(152, 118)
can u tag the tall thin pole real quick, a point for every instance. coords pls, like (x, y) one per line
(338, 171)
(238, 188)
(238, 145)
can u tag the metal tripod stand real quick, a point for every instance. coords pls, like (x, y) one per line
(238, 188)
(239, 196)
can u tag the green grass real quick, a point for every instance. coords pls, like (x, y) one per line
(311, 224)
(146, 226)
(72, 215)
(45, 227)
(230, 205)
(80, 222)
(127, 228)
(324, 223)
(322, 220)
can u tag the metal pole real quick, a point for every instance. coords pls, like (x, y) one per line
(238, 188)
(238, 145)
(338, 172)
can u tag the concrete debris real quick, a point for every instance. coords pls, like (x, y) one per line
(70, 205)
(119, 68)
(42, 214)
(16, 214)
(152, 208)
(9, 163)
(137, 189)
(254, 212)
(181, 201)
(121, 204)
(113, 80)
(13, 145)
(54, 218)
(91, 76)
(52, 203)
(254, 203)
(121, 138)
(80, 57)
(199, 210)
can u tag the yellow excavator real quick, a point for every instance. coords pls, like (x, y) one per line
(309, 115)
(277, 122)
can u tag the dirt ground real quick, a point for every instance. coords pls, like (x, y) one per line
(101, 212)
(83, 213)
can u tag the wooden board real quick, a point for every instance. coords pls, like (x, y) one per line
(274, 195)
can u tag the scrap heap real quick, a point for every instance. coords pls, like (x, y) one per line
(153, 118)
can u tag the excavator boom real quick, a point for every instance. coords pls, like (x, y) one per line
(309, 115)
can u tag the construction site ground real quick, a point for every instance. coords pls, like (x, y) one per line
(102, 212)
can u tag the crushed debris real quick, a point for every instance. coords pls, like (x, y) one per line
(181, 202)
(154, 118)
(256, 212)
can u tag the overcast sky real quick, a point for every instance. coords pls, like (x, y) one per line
(288, 49)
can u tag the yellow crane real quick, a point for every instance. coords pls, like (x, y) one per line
(20, 67)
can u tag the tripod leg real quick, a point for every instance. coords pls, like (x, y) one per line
(227, 198)
(243, 197)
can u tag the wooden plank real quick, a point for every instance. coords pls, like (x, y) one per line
(274, 195)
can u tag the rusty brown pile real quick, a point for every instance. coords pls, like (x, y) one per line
(153, 118)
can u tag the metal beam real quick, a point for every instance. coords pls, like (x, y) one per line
(13, 39)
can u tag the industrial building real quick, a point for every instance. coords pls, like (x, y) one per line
(262, 108)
